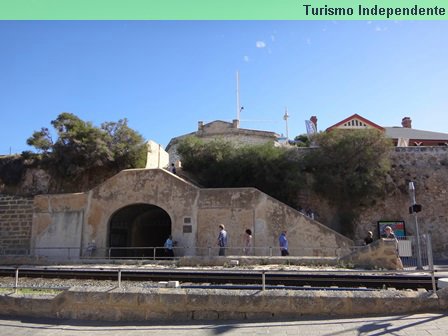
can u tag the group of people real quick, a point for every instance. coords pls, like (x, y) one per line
(222, 241)
(308, 212)
(388, 233)
(247, 241)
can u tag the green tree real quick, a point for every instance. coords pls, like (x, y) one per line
(302, 140)
(82, 147)
(41, 140)
(128, 147)
(349, 168)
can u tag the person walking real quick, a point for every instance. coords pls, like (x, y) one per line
(222, 240)
(283, 242)
(169, 252)
(172, 168)
(247, 242)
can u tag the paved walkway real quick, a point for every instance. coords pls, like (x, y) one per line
(415, 325)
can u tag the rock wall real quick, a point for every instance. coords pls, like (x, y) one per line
(381, 254)
(115, 304)
(16, 216)
(427, 167)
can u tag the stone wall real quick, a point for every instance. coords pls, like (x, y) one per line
(381, 254)
(16, 216)
(74, 220)
(427, 167)
(115, 304)
(156, 156)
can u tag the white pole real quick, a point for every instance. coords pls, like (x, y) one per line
(417, 231)
(238, 96)
(285, 117)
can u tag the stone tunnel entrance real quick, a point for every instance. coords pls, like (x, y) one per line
(139, 225)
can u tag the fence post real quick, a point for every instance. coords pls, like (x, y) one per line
(154, 254)
(119, 278)
(263, 280)
(430, 261)
(110, 250)
(16, 283)
(209, 251)
(270, 251)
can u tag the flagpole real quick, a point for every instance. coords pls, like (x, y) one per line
(285, 117)
(238, 96)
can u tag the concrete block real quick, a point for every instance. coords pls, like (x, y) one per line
(173, 284)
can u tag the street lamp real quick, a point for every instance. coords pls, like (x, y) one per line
(413, 209)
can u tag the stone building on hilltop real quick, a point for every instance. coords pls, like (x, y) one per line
(219, 129)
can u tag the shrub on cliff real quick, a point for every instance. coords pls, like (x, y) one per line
(81, 147)
(275, 171)
(349, 169)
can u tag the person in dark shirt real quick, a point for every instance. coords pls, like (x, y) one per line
(283, 243)
(369, 238)
(222, 240)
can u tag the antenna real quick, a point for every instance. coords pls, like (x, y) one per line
(239, 108)
(285, 117)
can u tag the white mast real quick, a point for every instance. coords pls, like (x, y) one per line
(238, 107)
(285, 117)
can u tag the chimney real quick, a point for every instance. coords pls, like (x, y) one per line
(200, 125)
(313, 119)
(406, 122)
(235, 123)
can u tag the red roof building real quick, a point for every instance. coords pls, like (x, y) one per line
(402, 136)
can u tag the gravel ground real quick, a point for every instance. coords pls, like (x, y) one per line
(66, 283)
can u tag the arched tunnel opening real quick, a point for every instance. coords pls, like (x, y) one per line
(136, 226)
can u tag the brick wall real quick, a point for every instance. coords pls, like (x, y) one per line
(16, 215)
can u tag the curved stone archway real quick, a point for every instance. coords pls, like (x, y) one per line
(138, 225)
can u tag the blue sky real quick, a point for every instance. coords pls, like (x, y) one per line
(165, 76)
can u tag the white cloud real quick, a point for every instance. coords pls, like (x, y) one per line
(272, 38)
(246, 58)
(380, 29)
(260, 44)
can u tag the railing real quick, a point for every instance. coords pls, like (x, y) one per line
(158, 252)
(410, 255)
(407, 250)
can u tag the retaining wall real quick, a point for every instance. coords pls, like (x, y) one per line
(16, 217)
(114, 304)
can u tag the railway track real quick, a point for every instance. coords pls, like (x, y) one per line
(235, 278)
